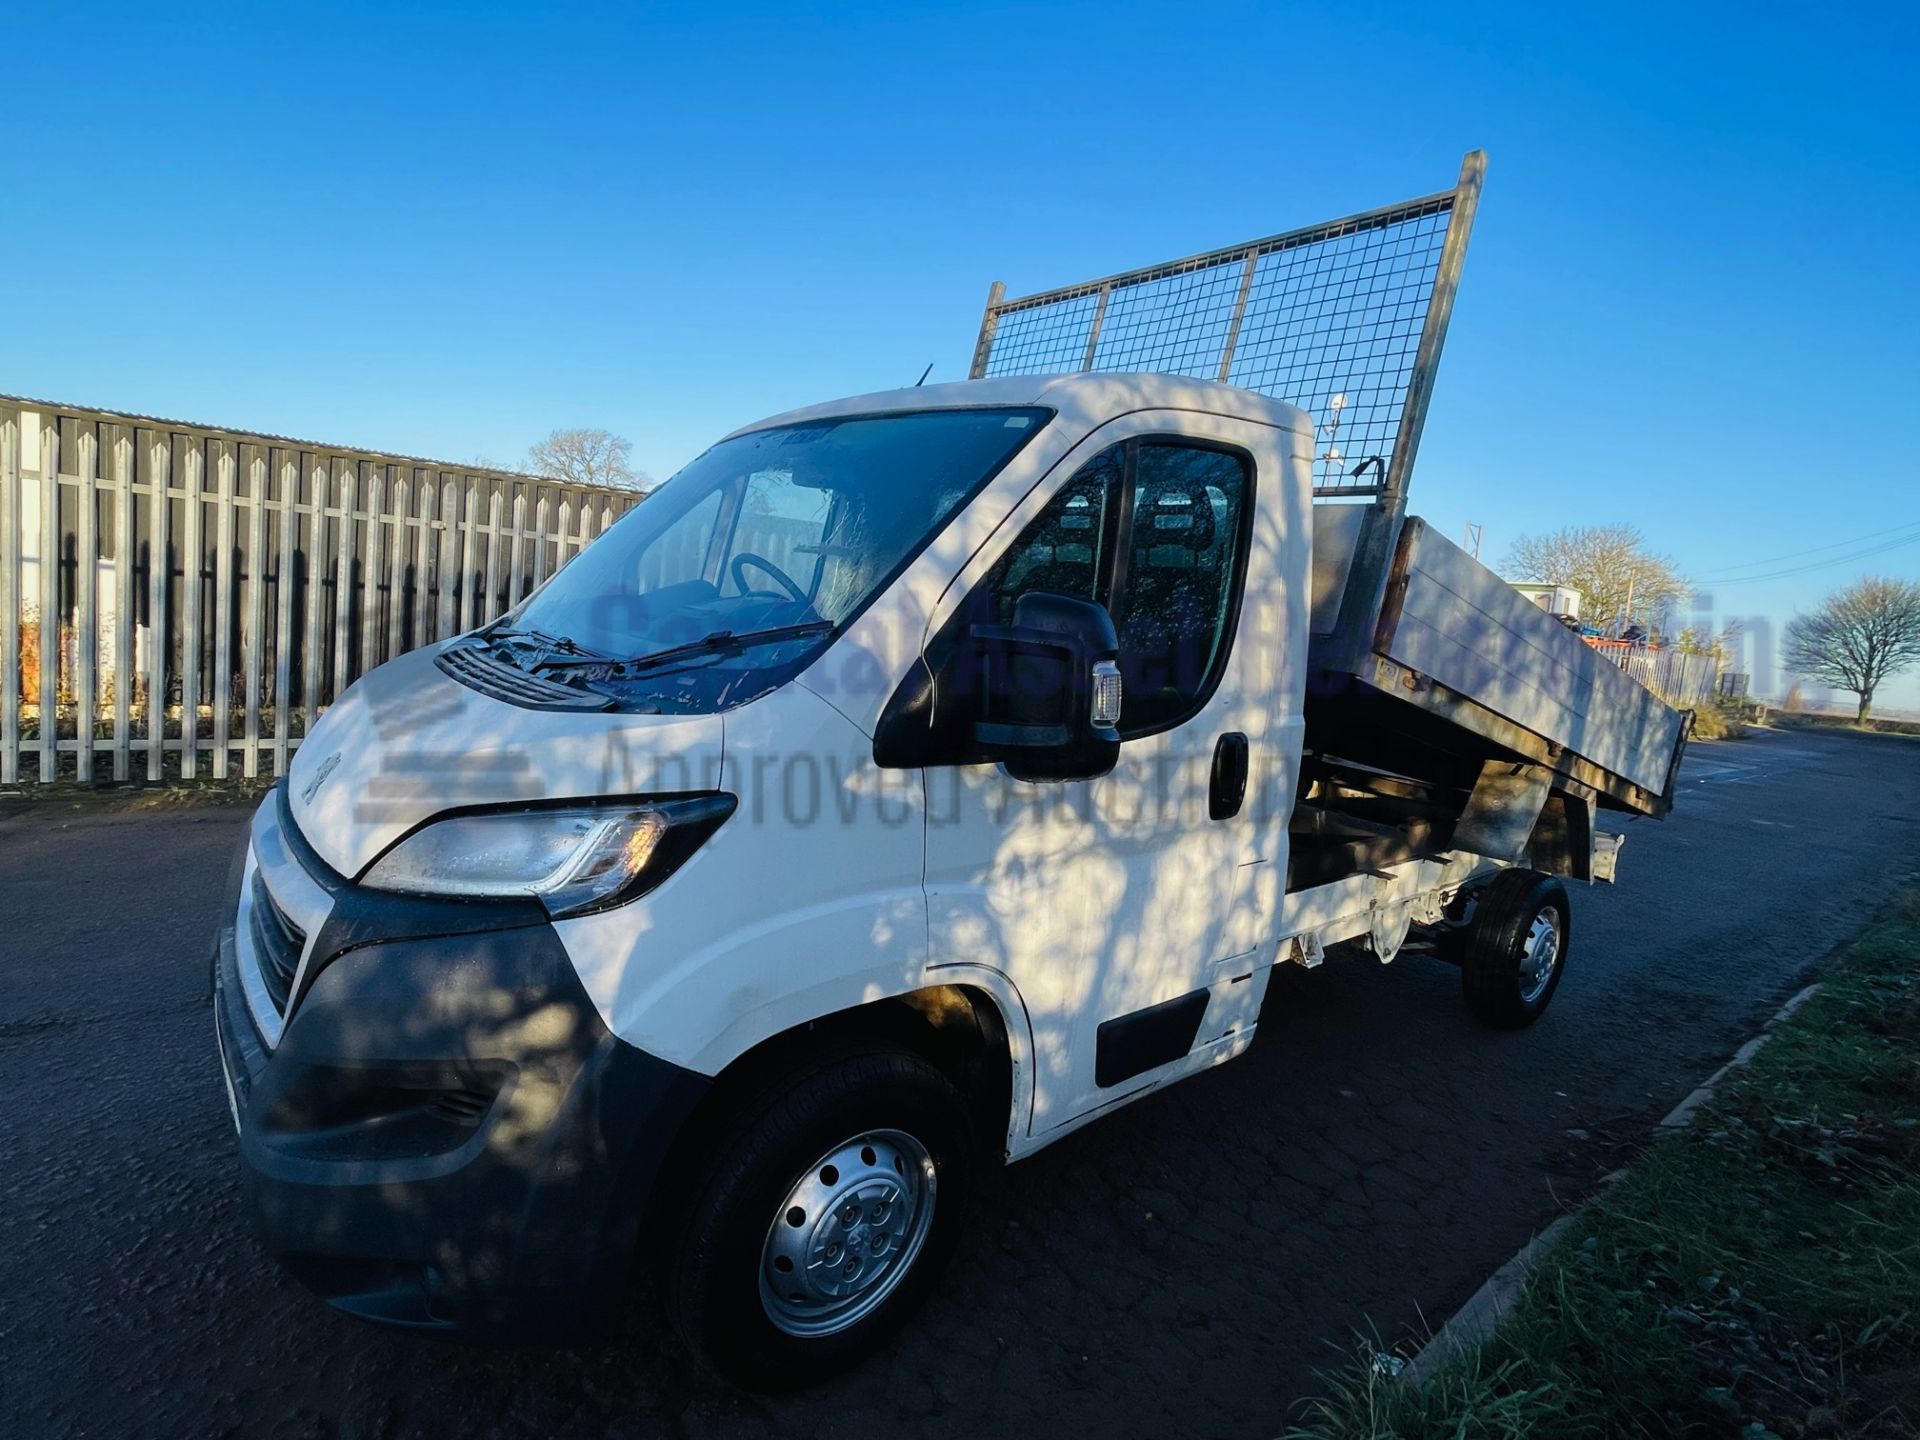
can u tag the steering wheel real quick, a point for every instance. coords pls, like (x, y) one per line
(779, 577)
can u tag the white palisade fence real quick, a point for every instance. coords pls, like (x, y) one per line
(183, 600)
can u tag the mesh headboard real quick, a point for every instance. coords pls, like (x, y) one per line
(1344, 319)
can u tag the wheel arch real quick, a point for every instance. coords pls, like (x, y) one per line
(971, 1025)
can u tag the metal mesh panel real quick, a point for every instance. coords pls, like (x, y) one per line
(1176, 325)
(1344, 320)
(1334, 327)
(1045, 338)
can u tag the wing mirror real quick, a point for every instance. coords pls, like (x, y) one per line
(1047, 689)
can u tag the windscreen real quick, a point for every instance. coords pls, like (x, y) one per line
(799, 525)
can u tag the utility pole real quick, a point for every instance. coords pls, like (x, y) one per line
(1472, 538)
(1626, 622)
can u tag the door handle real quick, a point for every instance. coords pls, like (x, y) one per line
(1227, 786)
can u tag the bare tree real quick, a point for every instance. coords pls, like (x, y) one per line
(1617, 576)
(588, 457)
(1858, 637)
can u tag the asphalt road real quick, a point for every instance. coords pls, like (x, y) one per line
(1181, 1267)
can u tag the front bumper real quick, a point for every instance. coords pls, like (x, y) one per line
(441, 1133)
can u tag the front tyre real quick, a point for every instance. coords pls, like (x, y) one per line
(826, 1209)
(1515, 949)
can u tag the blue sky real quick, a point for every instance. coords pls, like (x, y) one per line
(1690, 301)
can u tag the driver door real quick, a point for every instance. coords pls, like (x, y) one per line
(1130, 910)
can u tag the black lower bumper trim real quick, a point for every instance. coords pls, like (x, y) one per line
(447, 1136)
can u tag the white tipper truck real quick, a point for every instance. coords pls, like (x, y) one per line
(907, 782)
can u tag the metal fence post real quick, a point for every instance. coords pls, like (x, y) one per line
(516, 569)
(400, 499)
(253, 618)
(490, 606)
(346, 473)
(49, 598)
(120, 452)
(319, 485)
(374, 487)
(449, 554)
(86, 584)
(224, 460)
(286, 466)
(193, 480)
(10, 609)
(156, 455)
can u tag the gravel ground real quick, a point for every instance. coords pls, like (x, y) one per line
(1181, 1267)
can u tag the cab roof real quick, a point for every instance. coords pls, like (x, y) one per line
(1089, 399)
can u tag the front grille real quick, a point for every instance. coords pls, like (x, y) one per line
(277, 943)
(474, 667)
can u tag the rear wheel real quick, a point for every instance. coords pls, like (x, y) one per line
(1515, 948)
(828, 1205)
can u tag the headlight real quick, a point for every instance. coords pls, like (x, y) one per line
(570, 858)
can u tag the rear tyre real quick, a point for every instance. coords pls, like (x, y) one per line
(827, 1207)
(1515, 948)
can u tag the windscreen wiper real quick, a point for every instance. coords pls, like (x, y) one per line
(564, 644)
(721, 640)
(718, 642)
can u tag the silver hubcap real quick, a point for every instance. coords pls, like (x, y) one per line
(1542, 955)
(847, 1233)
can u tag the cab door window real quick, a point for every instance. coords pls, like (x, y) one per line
(1069, 547)
(1156, 531)
(1182, 578)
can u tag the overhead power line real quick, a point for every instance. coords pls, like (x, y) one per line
(1791, 570)
(1898, 534)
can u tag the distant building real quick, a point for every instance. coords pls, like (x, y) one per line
(1560, 600)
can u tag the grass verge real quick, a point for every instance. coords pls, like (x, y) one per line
(1804, 720)
(1756, 1275)
(1720, 719)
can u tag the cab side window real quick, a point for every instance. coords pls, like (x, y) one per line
(1068, 548)
(1152, 529)
(1183, 556)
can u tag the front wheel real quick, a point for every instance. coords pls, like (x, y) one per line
(1515, 949)
(827, 1208)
